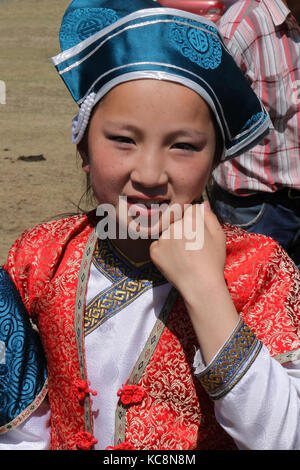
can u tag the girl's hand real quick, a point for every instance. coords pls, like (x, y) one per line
(198, 274)
(191, 253)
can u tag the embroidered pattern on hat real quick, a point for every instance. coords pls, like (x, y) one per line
(253, 120)
(199, 44)
(83, 23)
(251, 126)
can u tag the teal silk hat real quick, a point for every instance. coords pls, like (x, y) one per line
(108, 42)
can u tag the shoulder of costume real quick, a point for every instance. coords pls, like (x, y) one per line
(37, 254)
(247, 252)
(237, 235)
(264, 285)
(57, 231)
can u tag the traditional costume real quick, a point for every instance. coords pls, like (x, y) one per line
(119, 330)
(124, 366)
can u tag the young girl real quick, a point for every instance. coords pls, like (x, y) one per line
(157, 337)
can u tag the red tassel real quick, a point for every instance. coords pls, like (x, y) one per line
(84, 440)
(123, 446)
(131, 394)
(81, 388)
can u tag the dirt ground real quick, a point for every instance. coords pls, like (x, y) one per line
(41, 175)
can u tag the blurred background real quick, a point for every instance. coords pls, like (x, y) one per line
(41, 174)
(211, 9)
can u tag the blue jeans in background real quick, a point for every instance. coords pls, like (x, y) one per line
(277, 216)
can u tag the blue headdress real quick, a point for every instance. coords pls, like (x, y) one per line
(108, 42)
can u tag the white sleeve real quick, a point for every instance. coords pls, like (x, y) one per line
(32, 434)
(262, 412)
(257, 399)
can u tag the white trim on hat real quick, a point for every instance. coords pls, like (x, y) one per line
(157, 75)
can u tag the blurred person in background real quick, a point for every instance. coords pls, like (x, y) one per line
(260, 190)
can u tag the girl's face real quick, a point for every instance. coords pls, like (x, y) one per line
(152, 143)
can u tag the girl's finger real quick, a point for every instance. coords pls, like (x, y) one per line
(211, 222)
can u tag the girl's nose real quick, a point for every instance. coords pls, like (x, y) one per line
(149, 170)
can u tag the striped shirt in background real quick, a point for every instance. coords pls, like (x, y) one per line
(264, 38)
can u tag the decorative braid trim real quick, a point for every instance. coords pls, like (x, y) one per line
(80, 122)
(231, 362)
(27, 411)
(289, 356)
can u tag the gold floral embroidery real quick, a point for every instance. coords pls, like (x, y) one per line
(142, 362)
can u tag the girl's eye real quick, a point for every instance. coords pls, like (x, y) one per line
(185, 146)
(121, 139)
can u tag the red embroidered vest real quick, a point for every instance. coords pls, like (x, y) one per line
(175, 412)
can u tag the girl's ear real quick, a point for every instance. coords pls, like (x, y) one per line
(82, 148)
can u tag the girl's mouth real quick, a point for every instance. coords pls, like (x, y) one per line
(148, 215)
(146, 206)
(148, 203)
